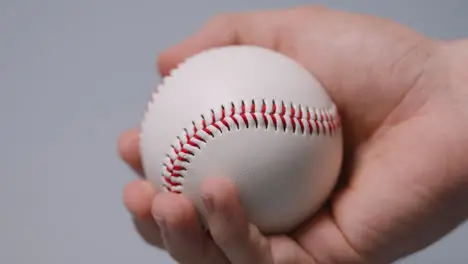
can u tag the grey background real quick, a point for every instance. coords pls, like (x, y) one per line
(74, 75)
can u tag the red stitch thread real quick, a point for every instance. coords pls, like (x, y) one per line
(318, 121)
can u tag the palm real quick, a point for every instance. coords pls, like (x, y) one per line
(368, 82)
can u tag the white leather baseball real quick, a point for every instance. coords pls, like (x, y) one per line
(250, 114)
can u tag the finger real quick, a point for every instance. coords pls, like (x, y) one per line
(254, 28)
(129, 150)
(148, 231)
(138, 197)
(181, 231)
(219, 31)
(240, 241)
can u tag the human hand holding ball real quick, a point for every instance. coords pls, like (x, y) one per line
(226, 147)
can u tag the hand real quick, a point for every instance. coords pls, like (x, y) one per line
(404, 180)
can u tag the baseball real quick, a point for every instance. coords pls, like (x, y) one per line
(250, 114)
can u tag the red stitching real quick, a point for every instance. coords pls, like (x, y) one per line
(313, 121)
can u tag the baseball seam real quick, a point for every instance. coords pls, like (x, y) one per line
(254, 114)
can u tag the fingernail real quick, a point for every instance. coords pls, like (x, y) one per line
(208, 203)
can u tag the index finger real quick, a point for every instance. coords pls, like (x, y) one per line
(248, 28)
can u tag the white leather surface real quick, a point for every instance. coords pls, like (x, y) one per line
(282, 176)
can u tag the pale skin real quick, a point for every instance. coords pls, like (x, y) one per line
(403, 98)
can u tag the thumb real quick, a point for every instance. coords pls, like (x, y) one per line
(240, 241)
